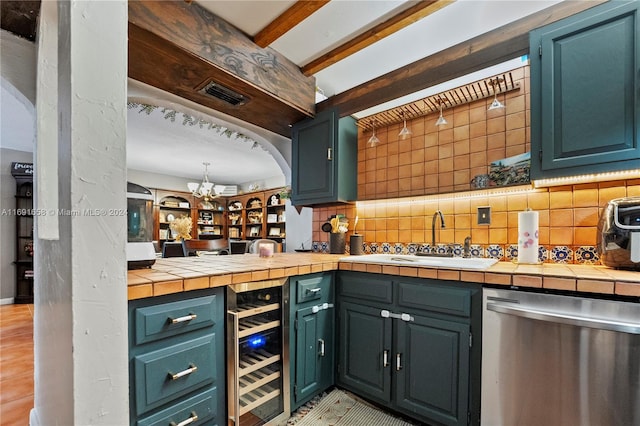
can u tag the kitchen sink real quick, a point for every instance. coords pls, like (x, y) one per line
(426, 261)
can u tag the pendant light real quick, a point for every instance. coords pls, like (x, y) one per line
(441, 121)
(373, 140)
(405, 132)
(496, 104)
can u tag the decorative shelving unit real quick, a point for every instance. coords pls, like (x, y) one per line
(275, 219)
(210, 221)
(254, 210)
(23, 174)
(235, 219)
(171, 207)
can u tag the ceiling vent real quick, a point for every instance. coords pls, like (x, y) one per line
(223, 93)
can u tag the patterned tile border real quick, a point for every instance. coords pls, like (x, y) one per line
(584, 255)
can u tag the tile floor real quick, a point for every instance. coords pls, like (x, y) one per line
(16, 364)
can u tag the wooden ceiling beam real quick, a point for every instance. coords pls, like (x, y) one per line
(407, 17)
(291, 17)
(491, 48)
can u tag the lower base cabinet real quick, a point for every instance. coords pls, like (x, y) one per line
(312, 348)
(177, 359)
(407, 344)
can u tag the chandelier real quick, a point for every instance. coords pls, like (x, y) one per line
(206, 189)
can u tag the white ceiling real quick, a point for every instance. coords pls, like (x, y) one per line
(161, 146)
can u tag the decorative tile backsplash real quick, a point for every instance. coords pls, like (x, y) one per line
(587, 255)
(568, 221)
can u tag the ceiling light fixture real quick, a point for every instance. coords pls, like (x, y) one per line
(373, 140)
(405, 132)
(496, 104)
(441, 121)
(206, 189)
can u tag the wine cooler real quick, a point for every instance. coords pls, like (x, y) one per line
(258, 353)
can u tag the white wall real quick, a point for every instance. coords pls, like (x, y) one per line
(80, 324)
(8, 222)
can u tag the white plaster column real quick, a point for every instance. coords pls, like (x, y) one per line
(80, 327)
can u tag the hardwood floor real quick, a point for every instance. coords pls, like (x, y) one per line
(16, 364)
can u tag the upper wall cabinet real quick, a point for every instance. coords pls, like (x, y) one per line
(325, 158)
(585, 92)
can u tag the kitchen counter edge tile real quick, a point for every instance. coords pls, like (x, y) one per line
(176, 275)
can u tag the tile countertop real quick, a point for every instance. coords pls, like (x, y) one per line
(174, 275)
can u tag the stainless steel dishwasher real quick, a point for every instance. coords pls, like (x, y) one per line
(559, 360)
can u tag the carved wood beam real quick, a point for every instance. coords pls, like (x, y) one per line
(291, 17)
(181, 48)
(491, 48)
(396, 23)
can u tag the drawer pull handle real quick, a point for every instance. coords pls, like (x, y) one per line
(385, 358)
(313, 290)
(185, 318)
(192, 418)
(321, 343)
(398, 361)
(192, 368)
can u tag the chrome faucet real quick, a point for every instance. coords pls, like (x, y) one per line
(467, 247)
(433, 228)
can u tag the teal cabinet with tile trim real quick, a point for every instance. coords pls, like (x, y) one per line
(324, 160)
(585, 92)
(406, 343)
(312, 336)
(177, 359)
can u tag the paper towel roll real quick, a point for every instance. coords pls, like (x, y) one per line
(528, 237)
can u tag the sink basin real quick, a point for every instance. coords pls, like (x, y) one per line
(433, 262)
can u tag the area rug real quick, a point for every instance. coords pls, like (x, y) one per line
(339, 409)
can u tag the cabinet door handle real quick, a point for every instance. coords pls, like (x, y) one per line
(329, 154)
(185, 318)
(192, 368)
(321, 343)
(313, 290)
(398, 361)
(192, 418)
(385, 358)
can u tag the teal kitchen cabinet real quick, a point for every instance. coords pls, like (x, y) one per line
(406, 343)
(177, 359)
(585, 92)
(312, 347)
(324, 160)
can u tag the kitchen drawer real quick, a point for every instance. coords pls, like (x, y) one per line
(428, 295)
(365, 287)
(313, 287)
(202, 405)
(174, 318)
(152, 371)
